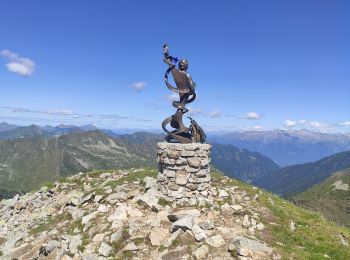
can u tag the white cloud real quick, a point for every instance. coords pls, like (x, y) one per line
(346, 123)
(303, 121)
(251, 116)
(324, 127)
(62, 112)
(17, 64)
(316, 124)
(215, 113)
(138, 86)
(258, 127)
(173, 97)
(20, 110)
(194, 111)
(289, 123)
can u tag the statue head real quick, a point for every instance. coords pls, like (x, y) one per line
(183, 64)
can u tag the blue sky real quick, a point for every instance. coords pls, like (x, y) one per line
(257, 64)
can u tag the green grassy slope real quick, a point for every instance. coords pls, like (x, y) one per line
(331, 197)
(27, 163)
(313, 238)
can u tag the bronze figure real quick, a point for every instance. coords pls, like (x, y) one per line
(185, 87)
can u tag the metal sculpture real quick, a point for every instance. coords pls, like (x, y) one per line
(185, 87)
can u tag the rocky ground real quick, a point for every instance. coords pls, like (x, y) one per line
(121, 215)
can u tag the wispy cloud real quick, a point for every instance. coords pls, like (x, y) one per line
(57, 112)
(251, 116)
(346, 123)
(289, 123)
(67, 114)
(311, 125)
(18, 65)
(316, 125)
(258, 128)
(138, 86)
(173, 97)
(20, 110)
(61, 112)
(194, 111)
(215, 113)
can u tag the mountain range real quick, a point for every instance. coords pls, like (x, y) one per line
(287, 147)
(25, 163)
(294, 179)
(284, 147)
(33, 155)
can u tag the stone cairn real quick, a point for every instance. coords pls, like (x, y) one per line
(184, 170)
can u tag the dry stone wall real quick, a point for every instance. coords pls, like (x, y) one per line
(184, 170)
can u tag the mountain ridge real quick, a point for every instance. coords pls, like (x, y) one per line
(27, 162)
(287, 147)
(297, 178)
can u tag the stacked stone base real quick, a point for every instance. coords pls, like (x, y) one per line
(184, 170)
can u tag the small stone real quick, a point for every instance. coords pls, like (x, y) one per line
(186, 237)
(149, 199)
(104, 249)
(116, 236)
(194, 162)
(226, 209)
(176, 215)
(74, 243)
(199, 233)
(237, 207)
(182, 177)
(52, 245)
(253, 222)
(223, 194)
(173, 154)
(202, 187)
(201, 173)
(157, 236)
(98, 198)
(201, 252)
(102, 208)
(173, 186)
(10, 203)
(150, 182)
(169, 173)
(192, 186)
(251, 248)
(292, 226)
(113, 198)
(343, 241)
(119, 214)
(260, 226)
(206, 225)
(187, 153)
(98, 238)
(216, 241)
(131, 247)
(134, 212)
(173, 236)
(185, 223)
(246, 221)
